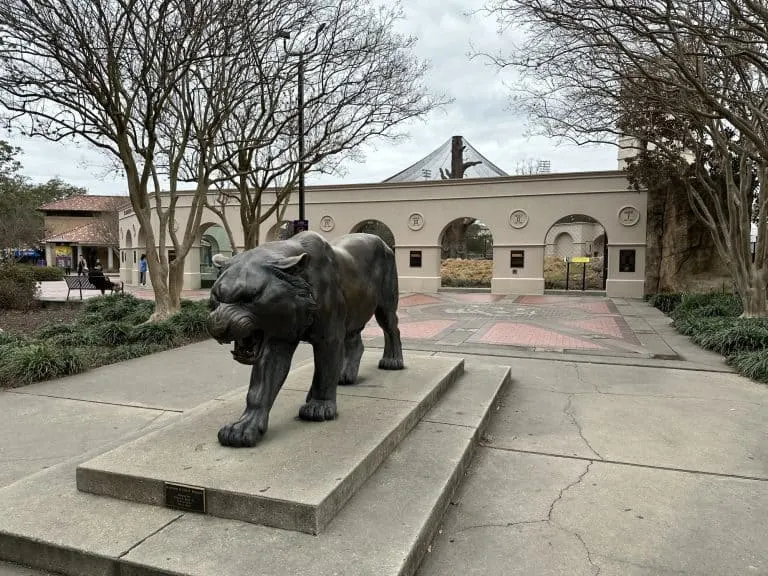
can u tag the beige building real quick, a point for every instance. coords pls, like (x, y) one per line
(518, 210)
(83, 226)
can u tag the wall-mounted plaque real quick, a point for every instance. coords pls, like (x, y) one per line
(518, 219)
(629, 216)
(415, 258)
(183, 497)
(626, 260)
(327, 223)
(517, 258)
(416, 221)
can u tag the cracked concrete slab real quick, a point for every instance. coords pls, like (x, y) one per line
(709, 422)
(689, 433)
(499, 521)
(668, 522)
(522, 514)
(537, 421)
(47, 431)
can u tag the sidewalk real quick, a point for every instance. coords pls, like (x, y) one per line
(587, 468)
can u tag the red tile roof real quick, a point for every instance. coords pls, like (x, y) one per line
(89, 234)
(88, 203)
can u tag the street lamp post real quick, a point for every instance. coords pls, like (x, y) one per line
(302, 223)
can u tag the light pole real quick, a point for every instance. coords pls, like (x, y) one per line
(301, 224)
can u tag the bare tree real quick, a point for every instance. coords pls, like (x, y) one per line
(133, 78)
(596, 70)
(361, 82)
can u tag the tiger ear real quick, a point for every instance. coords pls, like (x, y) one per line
(292, 263)
(219, 260)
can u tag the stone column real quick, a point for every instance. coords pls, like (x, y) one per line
(109, 258)
(50, 258)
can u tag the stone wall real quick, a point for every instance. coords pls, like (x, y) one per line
(680, 252)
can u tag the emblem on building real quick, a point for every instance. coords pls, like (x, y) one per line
(629, 216)
(416, 221)
(518, 219)
(327, 223)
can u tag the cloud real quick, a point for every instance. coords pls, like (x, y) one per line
(480, 113)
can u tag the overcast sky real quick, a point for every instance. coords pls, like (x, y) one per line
(480, 113)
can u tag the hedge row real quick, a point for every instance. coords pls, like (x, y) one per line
(109, 329)
(712, 321)
(18, 286)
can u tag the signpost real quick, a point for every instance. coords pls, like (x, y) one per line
(583, 260)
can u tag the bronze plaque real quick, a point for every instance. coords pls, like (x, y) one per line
(187, 498)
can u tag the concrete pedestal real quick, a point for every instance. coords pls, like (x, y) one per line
(302, 473)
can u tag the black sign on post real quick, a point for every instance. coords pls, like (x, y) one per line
(415, 258)
(183, 497)
(300, 226)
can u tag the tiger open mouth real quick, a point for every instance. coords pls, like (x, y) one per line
(248, 350)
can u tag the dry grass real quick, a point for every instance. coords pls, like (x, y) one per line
(466, 273)
(555, 268)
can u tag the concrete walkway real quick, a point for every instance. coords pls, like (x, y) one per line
(610, 461)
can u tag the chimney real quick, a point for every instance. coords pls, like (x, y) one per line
(457, 157)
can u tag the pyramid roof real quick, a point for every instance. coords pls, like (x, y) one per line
(428, 168)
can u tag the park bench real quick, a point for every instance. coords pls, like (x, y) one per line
(83, 283)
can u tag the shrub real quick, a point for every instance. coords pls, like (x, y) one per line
(35, 362)
(103, 304)
(740, 335)
(44, 273)
(665, 302)
(112, 333)
(141, 313)
(192, 321)
(18, 287)
(752, 364)
(709, 305)
(54, 330)
(162, 333)
(81, 336)
(691, 324)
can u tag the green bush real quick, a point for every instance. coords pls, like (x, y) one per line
(192, 320)
(752, 364)
(103, 304)
(141, 313)
(36, 362)
(162, 333)
(18, 287)
(709, 305)
(741, 335)
(113, 333)
(44, 273)
(54, 330)
(666, 302)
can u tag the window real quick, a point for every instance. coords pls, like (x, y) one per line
(626, 260)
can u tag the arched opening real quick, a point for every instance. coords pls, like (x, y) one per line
(466, 254)
(377, 228)
(280, 231)
(575, 254)
(213, 240)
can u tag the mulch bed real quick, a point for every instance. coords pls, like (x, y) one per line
(25, 322)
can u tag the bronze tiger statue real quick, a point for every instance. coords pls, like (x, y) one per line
(268, 299)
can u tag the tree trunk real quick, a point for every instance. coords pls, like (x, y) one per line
(752, 291)
(251, 235)
(176, 283)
